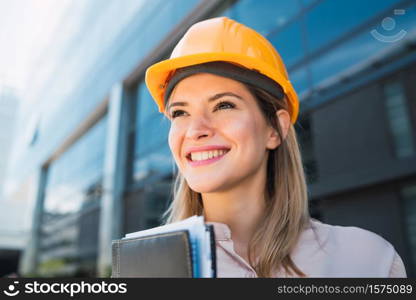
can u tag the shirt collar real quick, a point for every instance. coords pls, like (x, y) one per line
(221, 230)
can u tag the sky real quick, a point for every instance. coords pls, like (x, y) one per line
(25, 28)
(32, 35)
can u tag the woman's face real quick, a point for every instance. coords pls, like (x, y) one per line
(210, 114)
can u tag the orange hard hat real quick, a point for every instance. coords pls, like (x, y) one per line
(222, 39)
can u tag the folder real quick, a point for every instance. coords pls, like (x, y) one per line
(182, 249)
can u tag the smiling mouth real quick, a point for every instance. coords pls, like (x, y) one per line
(204, 156)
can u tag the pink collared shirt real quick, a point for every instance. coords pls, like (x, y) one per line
(346, 251)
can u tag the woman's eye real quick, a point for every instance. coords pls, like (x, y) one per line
(224, 104)
(221, 105)
(176, 113)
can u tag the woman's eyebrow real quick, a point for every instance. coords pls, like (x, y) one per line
(210, 99)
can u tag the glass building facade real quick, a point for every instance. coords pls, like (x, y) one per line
(70, 217)
(98, 150)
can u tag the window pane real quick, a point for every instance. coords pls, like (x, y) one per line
(359, 52)
(305, 134)
(409, 197)
(329, 66)
(331, 19)
(399, 120)
(152, 153)
(288, 43)
(78, 168)
(308, 2)
(163, 17)
(262, 15)
(300, 81)
(69, 230)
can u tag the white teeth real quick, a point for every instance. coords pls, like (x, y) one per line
(204, 155)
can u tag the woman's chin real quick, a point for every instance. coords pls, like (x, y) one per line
(202, 186)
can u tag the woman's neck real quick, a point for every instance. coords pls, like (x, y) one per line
(241, 208)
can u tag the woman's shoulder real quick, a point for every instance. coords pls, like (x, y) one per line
(350, 251)
(349, 235)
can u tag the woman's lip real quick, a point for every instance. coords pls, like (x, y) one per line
(205, 162)
(206, 148)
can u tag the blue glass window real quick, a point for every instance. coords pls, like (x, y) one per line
(152, 153)
(399, 119)
(300, 80)
(288, 43)
(358, 50)
(263, 15)
(331, 19)
(308, 2)
(408, 194)
(161, 20)
(79, 168)
(70, 219)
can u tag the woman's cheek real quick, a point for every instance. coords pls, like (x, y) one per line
(173, 140)
(239, 127)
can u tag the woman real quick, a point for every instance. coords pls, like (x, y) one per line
(232, 109)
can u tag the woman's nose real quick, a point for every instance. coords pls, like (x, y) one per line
(199, 127)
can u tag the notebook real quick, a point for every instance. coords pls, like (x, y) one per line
(181, 249)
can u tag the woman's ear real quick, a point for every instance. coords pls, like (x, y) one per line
(284, 120)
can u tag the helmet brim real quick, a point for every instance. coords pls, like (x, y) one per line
(158, 75)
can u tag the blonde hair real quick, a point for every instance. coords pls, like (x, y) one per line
(286, 213)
